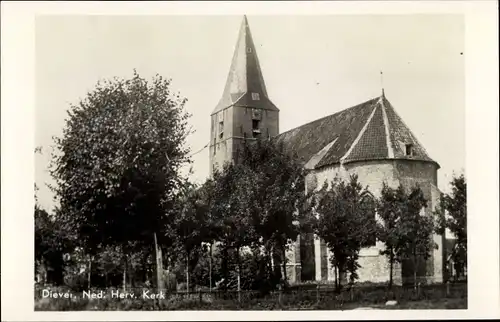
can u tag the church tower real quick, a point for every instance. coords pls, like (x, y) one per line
(244, 111)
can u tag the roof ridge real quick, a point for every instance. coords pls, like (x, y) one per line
(361, 133)
(390, 150)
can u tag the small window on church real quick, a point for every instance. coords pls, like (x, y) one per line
(409, 149)
(255, 96)
(369, 207)
(215, 142)
(249, 49)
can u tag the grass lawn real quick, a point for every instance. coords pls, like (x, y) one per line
(440, 304)
(436, 304)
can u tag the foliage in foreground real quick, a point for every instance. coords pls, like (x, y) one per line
(405, 228)
(124, 205)
(452, 213)
(346, 221)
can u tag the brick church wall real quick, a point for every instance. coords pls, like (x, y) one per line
(372, 174)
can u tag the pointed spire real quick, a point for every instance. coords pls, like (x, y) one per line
(245, 84)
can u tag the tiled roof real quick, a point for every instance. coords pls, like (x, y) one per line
(372, 143)
(307, 140)
(369, 131)
(245, 76)
(399, 132)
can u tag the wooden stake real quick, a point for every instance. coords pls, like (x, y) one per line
(159, 265)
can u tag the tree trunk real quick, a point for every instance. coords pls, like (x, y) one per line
(187, 272)
(238, 261)
(391, 267)
(89, 273)
(336, 275)
(341, 276)
(271, 256)
(339, 286)
(125, 273)
(131, 276)
(268, 264)
(210, 266)
(225, 272)
(275, 259)
(284, 265)
(415, 268)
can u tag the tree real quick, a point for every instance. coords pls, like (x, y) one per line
(47, 250)
(390, 208)
(414, 231)
(233, 201)
(189, 223)
(212, 224)
(278, 202)
(452, 212)
(51, 241)
(117, 163)
(345, 224)
(256, 202)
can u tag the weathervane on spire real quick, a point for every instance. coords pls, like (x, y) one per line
(382, 83)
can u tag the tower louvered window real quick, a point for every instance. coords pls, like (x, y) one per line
(256, 118)
(255, 128)
(221, 129)
(221, 125)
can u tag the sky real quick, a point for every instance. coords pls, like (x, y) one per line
(313, 66)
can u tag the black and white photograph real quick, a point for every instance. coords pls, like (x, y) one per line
(251, 162)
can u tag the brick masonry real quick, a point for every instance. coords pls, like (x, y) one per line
(237, 125)
(372, 174)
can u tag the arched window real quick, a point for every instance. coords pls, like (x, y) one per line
(369, 206)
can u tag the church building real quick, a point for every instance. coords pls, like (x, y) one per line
(369, 139)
